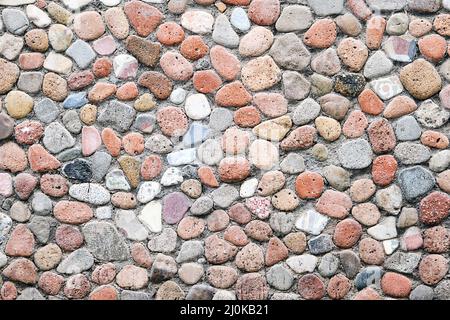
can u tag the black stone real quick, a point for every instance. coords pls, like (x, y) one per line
(350, 84)
(78, 170)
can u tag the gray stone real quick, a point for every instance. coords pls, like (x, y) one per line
(30, 294)
(181, 157)
(210, 152)
(403, 262)
(407, 129)
(129, 224)
(355, 154)
(239, 19)
(415, 182)
(312, 222)
(285, 296)
(304, 263)
(407, 218)
(422, 292)
(337, 177)
(6, 125)
(76, 262)
(440, 161)
(424, 6)
(90, 192)
(103, 213)
(329, 265)
(134, 295)
(148, 191)
(289, 52)
(201, 292)
(220, 119)
(196, 134)
(163, 268)
(165, 242)
(41, 204)
(281, 222)
(442, 290)
(444, 69)
(172, 176)
(41, 227)
(3, 260)
(326, 8)
(387, 87)
(292, 164)
(82, 53)
(377, 65)
(306, 111)
(178, 96)
(225, 195)
(15, 20)
(158, 143)
(57, 138)
(320, 85)
(19, 212)
(384, 230)
(326, 62)
(431, 115)
(100, 162)
(223, 33)
(11, 46)
(295, 85)
(72, 121)
(350, 263)
(386, 5)
(320, 244)
(279, 277)
(389, 199)
(69, 154)
(397, 24)
(5, 226)
(117, 115)
(294, 18)
(30, 82)
(201, 206)
(116, 180)
(368, 276)
(105, 242)
(190, 251)
(412, 153)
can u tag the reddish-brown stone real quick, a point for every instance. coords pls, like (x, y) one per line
(157, 83)
(207, 177)
(234, 169)
(384, 169)
(233, 95)
(72, 212)
(347, 233)
(322, 34)
(370, 103)
(334, 204)
(143, 17)
(247, 117)
(381, 136)
(225, 63)
(338, 287)
(311, 287)
(309, 185)
(395, 285)
(206, 81)
(193, 48)
(434, 208)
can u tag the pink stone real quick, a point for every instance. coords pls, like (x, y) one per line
(24, 184)
(259, 206)
(445, 97)
(105, 46)
(5, 185)
(90, 140)
(175, 205)
(175, 66)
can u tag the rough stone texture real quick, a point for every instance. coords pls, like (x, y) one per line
(229, 149)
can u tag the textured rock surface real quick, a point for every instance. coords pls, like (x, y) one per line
(235, 149)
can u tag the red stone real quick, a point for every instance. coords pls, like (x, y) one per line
(28, 132)
(309, 185)
(21, 270)
(370, 103)
(233, 95)
(193, 48)
(384, 169)
(143, 17)
(225, 63)
(334, 204)
(207, 177)
(54, 185)
(8, 291)
(13, 158)
(80, 80)
(381, 136)
(133, 143)
(104, 293)
(239, 213)
(157, 83)
(206, 81)
(234, 169)
(310, 287)
(20, 243)
(50, 283)
(338, 287)
(72, 212)
(170, 33)
(112, 143)
(247, 117)
(347, 233)
(322, 34)
(31, 60)
(434, 208)
(264, 12)
(276, 251)
(102, 67)
(375, 30)
(172, 121)
(395, 285)
(69, 238)
(128, 91)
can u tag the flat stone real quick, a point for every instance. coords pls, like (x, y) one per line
(78, 261)
(385, 230)
(403, 262)
(90, 192)
(411, 153)
(82, 53)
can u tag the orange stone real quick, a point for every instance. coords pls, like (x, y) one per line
(347, 233)
(107, 292)
(40, 160)
(225, 63)
(234, 169)
(322, 34)
(434, 139)
(384, 169)
(399, 106)
(101, 91)
(111, 141)
(309, 185)
(170, 33)
(128, 91)
(102, 67)
(247, 117)
(370, 103)
(143, 17)
(206, 81)
(375, 31)
(133, 143)
(395, 285)
(193, 48)
(207, 177)
(433, 47)
(334, 204)
(233, 95)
